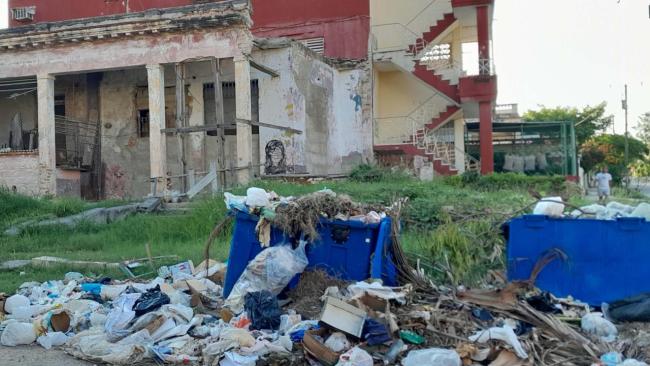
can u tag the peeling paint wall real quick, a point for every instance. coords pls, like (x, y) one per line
(125, 155)
(332, 107)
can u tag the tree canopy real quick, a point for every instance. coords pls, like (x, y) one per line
(643, 127)
(610, 150)
(591, 119)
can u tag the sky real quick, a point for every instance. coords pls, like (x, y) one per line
(574, 53)
(567, 53)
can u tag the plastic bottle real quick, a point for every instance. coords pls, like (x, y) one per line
(393, 352)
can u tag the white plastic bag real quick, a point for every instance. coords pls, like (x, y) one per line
(15, 302)
(506, 334)
(432, 356)
(529, 163)
(120, 317)
(270, 270)
(548, 208)
(235, 359)
(508, 163)
(16, 334)
(355, 357)
(289, 320)
(257, 197)
(642, 210)
(632, 362)
(337, 342)
(594, 323)
(52, 339)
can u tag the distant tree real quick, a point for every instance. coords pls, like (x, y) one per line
(643, 128)
(592, 119)
(610, 150)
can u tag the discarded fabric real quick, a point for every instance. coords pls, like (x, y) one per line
(263, 310)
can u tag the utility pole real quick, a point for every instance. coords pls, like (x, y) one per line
(627, 146)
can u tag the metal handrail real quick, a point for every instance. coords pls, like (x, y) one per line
(407, 28)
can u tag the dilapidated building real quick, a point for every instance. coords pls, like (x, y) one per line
(173, 99)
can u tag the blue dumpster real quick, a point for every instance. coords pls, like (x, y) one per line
(348, 250)
(605, 260)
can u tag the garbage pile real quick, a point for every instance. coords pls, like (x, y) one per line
(180, 318)
(555, 207)
(281, 313)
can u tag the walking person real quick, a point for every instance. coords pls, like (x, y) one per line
(603, 184)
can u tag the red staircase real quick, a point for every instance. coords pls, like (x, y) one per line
(442, 118)
(412, 150)
(437, 82)
(433, 33)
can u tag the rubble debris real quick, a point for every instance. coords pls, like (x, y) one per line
(47, 261)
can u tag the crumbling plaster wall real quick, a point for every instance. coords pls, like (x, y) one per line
(20, 170)
(332, 107)
(125, 155)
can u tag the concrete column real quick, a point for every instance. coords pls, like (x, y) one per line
(483, 30)
(243, 113)
(197, 118)
(485, 137)
(157, 140)
(46, 133)
(459, 144)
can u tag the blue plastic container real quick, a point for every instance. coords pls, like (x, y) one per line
(349, 250)
(606, 260)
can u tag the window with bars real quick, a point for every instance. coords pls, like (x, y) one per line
(23, 13)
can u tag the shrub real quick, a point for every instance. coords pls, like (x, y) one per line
(374, 173)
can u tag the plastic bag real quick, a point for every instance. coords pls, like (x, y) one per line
(611, 359)
(540, 159)
(257, 197)
(375, 332)
(270, 270)
(235, 359)
(508, 163)
(15, 302)
(632, 362)
(234, 202)
(595, 324)
(552, 209)
(52, 339)
(529, 163)
(642, 210)
(263, 310)
(93, 345)
(16, 334)
(632, 309)
(432, 356)
(150, 301)
(517, 164)
(337, 342)
(120, 317)
(289, 320)
(355, 357)
(506, 334)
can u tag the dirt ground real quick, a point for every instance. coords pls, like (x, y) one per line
(37, 356)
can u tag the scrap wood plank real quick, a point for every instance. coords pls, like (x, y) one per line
(201, 184)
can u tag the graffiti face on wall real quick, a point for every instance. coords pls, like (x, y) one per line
(276, 158)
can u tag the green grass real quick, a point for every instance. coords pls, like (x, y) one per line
(450, 224)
